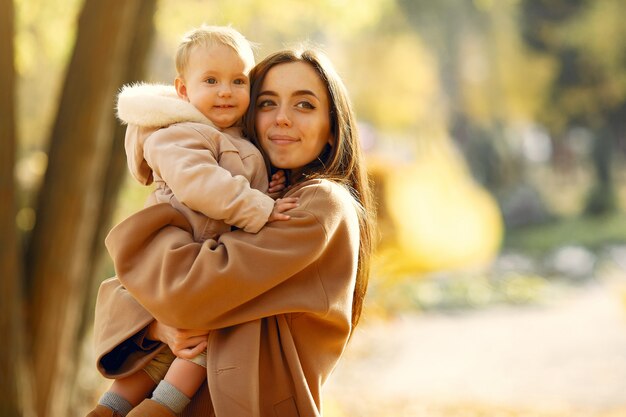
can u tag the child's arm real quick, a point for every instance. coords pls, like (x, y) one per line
(187, 160)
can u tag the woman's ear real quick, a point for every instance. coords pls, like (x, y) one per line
(331, 141)
(181, 88)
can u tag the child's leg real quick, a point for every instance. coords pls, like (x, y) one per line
(126, 393)
(186, 376)
(182, 380)
(123, 395)
(133, 388)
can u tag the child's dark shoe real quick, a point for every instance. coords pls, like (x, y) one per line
(151, 408)
(102, 411)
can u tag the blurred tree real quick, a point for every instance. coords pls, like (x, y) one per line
(444, 25)
(429, 196)
(11, 323)
(59, 255)
(589, 89)
(468, 40)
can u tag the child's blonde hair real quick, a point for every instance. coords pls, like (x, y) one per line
(206, 35)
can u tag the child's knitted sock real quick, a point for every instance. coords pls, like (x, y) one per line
(116, 403)
(168, 395)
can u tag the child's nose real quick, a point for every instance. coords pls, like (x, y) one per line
(224, 91)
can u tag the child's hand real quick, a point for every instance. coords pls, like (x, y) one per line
(277, 182)
(281, 205)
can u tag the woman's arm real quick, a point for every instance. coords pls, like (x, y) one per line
(119, 331)
(243, 276)
(127, 336)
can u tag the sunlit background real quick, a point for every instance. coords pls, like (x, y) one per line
(495, 133)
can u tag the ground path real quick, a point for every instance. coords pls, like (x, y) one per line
(565, 358)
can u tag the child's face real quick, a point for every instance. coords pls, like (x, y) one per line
(215, 83)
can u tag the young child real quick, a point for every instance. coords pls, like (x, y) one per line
(187, 141)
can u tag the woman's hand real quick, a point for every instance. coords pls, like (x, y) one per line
(184, 343)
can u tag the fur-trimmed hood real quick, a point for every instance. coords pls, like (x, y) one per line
(146, 108)
(155, 105)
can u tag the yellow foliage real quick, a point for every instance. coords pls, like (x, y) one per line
(283, 21)
(396, 85)
(443, 219)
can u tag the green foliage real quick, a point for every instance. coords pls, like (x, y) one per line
(590, 84)
(456, 292)
(590, 232)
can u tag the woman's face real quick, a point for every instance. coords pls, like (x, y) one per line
(292, 115)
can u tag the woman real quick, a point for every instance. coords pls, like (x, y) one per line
(278, 306)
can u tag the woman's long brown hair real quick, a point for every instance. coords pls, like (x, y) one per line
(343, 162)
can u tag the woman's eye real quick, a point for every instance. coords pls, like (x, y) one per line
(265, 103)
(305, 105)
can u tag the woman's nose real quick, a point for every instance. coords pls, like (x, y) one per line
(282, 118)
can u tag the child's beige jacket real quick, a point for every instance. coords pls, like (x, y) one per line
(219, 177)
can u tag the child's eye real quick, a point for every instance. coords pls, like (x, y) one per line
(240, 81)
(211, 80)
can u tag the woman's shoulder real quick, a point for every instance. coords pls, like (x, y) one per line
(324, 196)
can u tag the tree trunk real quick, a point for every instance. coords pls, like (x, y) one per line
(602, 198)
(116, 167)
(59, 253)
(135, 65)
(12, 326)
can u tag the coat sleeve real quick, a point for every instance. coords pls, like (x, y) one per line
(239, 278)
(120, 323)
(188, 161)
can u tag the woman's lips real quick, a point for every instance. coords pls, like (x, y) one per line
(282, 139)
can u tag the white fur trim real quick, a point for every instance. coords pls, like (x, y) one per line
(155, 105)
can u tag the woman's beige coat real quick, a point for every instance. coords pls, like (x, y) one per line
(277, 303)
(219, 177)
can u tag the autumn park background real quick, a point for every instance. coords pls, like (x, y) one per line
(495, 133)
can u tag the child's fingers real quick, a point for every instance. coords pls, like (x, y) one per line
(278, 174)
(287, 200)
(275, 187)
(286, 206)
